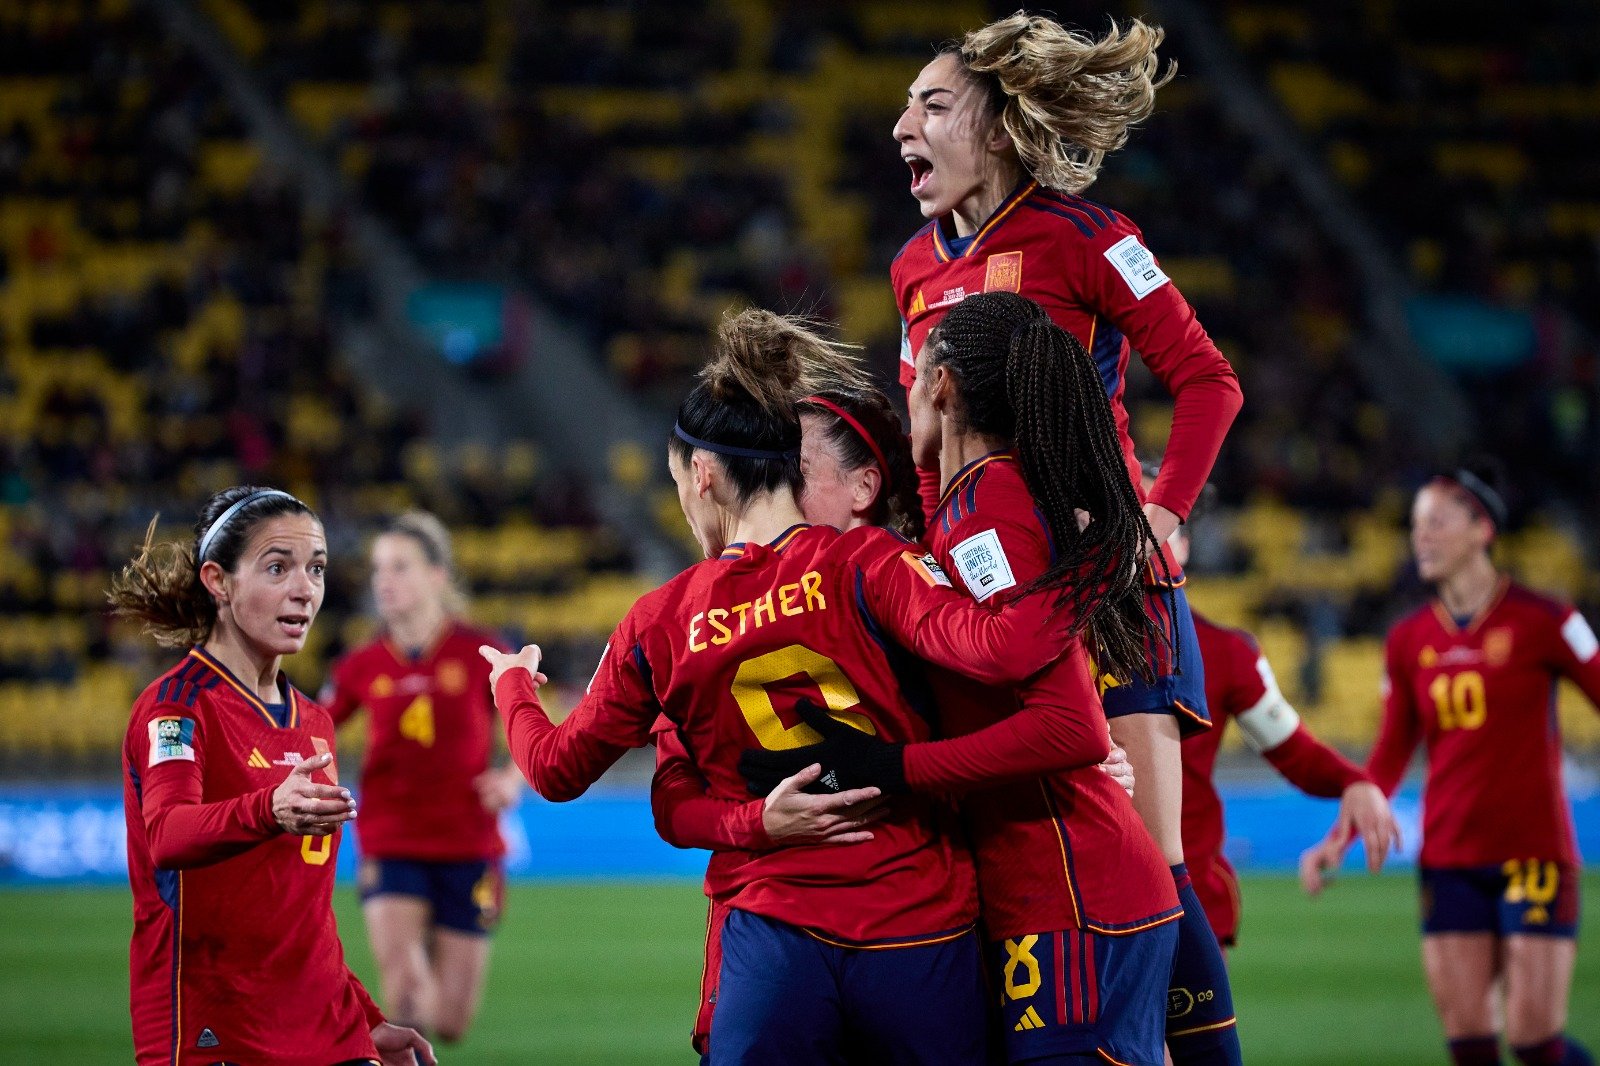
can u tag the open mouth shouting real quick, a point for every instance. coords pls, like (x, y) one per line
(294, 626)
(921, 171)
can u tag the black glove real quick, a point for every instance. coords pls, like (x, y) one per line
(850, 758)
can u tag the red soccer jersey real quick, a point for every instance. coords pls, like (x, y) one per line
(1066, 851)
(728, 647)
(1482, 698)
(235, 955)
(1240, 685)
(429, 737)
(1088, 267)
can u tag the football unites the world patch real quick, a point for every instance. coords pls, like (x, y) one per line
(171, 738)
(983, 566)
(1136, 265)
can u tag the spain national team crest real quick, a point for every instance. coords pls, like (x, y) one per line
(1428, 658)
(1497, 646)
(1003, 272)
(382, 686)
(452, 677)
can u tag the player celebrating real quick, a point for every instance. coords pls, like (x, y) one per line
(431, 882)
(1473, 675)
(1240, 686)
(858, 472)
(875, 938)
(232, 830)
(1002, 133)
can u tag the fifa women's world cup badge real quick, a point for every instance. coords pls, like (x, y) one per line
(171, 738)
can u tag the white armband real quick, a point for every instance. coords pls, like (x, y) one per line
(1579, 637)
(1271, 721)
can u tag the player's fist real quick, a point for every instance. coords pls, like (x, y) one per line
(499, 789)
(501, 661)
(305, 808)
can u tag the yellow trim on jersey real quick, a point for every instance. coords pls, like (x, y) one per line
(967, 474)
(1061, 839)
(1205, 1028)
(926, 942)
(1102, 931)
(1477, 620)
(250, 697)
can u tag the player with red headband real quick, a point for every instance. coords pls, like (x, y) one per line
(858, 472)
(870, 944)
(1002, 133)
(234, 807)
(1472, 675)
(1241, 687)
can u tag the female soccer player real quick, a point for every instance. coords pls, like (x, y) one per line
(1240, 686)
(234, 807)
(1002, 133)
(431, 881)
(857, 465)
(1472, 674)
(874, 939)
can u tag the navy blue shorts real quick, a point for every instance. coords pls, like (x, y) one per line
(1179, 688)
(466, 896)
(1079, 993)
(788, 996)
(1532, 896)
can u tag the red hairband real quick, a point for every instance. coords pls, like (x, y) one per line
(877, 452)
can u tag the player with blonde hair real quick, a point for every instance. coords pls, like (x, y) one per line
(1003, 131)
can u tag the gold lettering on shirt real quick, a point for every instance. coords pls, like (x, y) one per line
(792, 599)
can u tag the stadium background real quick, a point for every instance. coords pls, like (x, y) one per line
(464, 256)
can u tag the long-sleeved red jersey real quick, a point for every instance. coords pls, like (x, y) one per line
(1482, 697)
(1240, 685)
(1067, 850)
(1088, 267)
(726, 650)
(430, 734)
(235, 955)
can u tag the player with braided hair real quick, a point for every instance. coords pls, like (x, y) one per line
(1003, 131)
(873, 943)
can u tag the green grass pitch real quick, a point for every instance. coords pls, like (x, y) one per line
(606, 973)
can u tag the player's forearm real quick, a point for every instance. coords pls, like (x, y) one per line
(703, 821)
(996, 647)
(1313, 767)
(1204, 408)
(1390, 756)
(558, 761)
(1042, 738)
(185, 835)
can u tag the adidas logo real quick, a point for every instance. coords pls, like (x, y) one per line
(1030, 1020)
(259, 761)
(207, 1037)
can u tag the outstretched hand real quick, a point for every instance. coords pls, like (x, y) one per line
(849, 757)
(501, 661)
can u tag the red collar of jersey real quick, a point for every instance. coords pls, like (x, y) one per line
(738, 549)
(249, 696)
(941, 244)
(446, 631)
(969, 473)
(1448, 621)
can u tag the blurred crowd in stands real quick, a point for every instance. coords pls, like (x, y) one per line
(172, 313)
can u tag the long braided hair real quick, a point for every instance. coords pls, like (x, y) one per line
(1024, 379)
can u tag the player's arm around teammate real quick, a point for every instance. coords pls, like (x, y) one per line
(1473, 674)
(1001, 134)
(214, 820)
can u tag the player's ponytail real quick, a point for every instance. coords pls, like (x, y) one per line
(862, 428)
(1022, 378)
(161, 586)
(1066, 99)
(742, 410)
